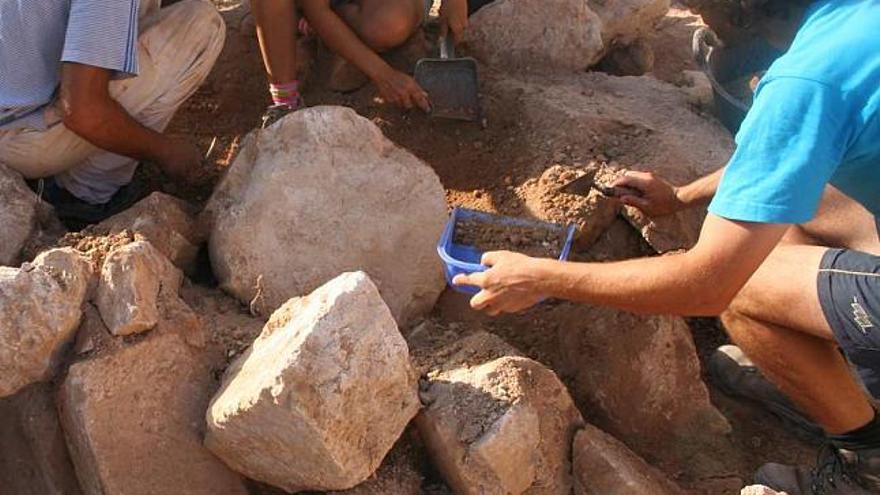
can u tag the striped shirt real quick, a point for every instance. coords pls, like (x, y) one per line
(36, 36)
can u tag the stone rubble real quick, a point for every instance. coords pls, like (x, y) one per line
(133, 279)
(322, 394)
(40, 310)
(498, 426)
(19, 210)
(168, 223)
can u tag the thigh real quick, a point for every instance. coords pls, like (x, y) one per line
(841, 222)
(393, 13)
(37, 154)
(784, 291)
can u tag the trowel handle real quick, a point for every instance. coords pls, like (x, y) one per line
(447, 47)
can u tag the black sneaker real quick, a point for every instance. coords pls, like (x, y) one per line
(837, 472)
(275, 112)
(75, 213)
(736, 375)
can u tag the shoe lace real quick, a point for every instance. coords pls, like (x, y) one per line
(831, 471)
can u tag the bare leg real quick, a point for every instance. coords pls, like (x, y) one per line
(383, 24)
(778, 322)
(276, 30)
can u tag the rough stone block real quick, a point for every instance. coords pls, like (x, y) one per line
(322, 394)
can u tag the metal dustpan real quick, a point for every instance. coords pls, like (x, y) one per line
(452, 84)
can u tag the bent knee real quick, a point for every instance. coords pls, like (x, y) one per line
(201, 19)
(386, 31)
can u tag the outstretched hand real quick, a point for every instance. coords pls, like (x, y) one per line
(656, 197)
(402, 90)
(513, 283)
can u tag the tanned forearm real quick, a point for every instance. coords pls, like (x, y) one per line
(89, 111)
(701, 282)
(339, 37)
(700, 191)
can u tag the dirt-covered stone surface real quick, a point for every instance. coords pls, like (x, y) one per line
(539, 132)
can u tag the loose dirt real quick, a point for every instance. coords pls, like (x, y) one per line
(534, 241)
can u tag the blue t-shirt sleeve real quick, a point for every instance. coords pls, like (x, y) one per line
(790, 144)
(103, 33)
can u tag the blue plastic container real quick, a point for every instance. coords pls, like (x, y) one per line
(461, 258)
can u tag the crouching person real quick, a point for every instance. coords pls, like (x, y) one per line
(358, 31)
(88, 86)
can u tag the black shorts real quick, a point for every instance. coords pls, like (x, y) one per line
(849, 292)
(473, 5)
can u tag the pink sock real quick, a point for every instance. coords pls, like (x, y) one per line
(285, 94)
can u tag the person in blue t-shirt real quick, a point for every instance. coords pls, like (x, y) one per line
(788, 254)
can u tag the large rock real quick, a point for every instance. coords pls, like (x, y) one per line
(605, 466)
(635, 123)
(498, 426)
(624, 21)
(19, 209)
(133, 419)
(638, 378)
(168, 223)
(34, 458)
(319, 193)
(321, 396)
(133, 279)
(40, 309)
(536, 35)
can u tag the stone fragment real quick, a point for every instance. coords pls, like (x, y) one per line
(33, 457)
(19, 209)
(632, 59)
(624, 123)
(760, 490)
(536, 35)
(320, 193)
(698, 88)
(605, 466)
(624, 21)
(498, 425)
(322, 394)
(168, 223)
(40, 309)
(133, 279)
(639, 378)
(133, 420)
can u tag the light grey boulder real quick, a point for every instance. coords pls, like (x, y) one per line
(319, 193)
(19, 214)
(321, 396)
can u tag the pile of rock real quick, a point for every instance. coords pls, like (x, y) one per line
(327, 229)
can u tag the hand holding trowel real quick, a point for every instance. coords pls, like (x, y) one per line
(587, 182)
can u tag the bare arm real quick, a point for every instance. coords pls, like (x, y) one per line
(395, 86)
(659, 198)
(701, 282)
(90, 112)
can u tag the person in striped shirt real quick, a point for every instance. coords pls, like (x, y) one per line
(87, 88)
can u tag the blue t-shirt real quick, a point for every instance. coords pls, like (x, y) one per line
(815, 120)
(37, 35)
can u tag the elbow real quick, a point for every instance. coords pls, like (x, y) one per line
(81, 117)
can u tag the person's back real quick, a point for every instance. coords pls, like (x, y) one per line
(838, 49)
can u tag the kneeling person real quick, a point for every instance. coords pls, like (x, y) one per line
(85, 94)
